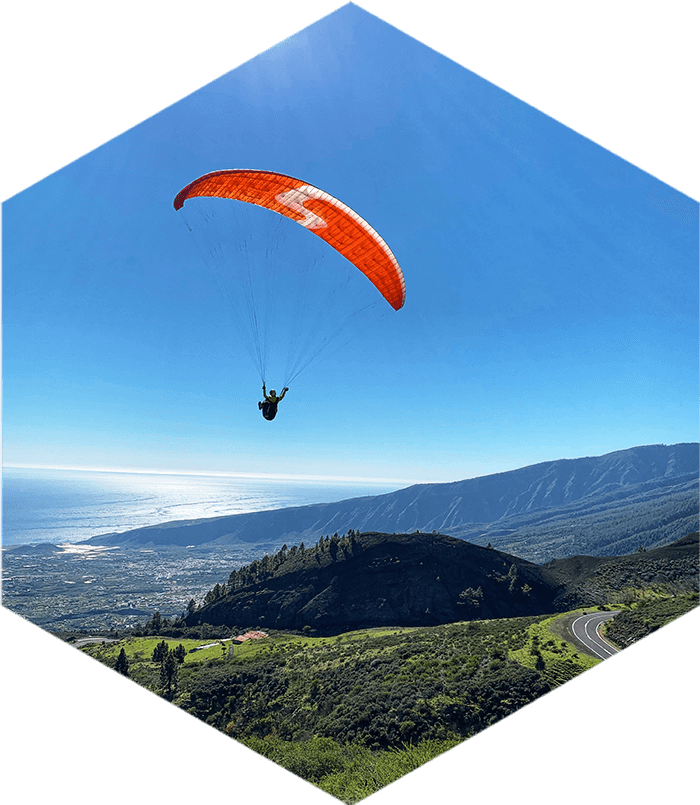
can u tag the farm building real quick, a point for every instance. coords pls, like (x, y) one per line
(249, 636)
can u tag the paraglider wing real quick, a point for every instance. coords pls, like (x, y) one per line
(317, 211)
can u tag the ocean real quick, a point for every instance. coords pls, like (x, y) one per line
(67, 506)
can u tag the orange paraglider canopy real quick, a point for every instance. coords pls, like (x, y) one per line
(317, 211)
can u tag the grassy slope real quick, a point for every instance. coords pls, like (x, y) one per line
(646, 615)
(308, 689)
(467, 674)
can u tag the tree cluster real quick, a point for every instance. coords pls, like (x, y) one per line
(260, 570)
(381, 692)
(169, 660)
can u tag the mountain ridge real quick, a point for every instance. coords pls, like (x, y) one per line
(460, 508)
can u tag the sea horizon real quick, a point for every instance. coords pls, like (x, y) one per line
(55, 505)
(226, 474)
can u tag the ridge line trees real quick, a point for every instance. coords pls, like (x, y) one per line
(260, 570)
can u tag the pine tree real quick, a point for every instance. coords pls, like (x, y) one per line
(159, 652)
(512, 575)
(122, 664)
(168, 673)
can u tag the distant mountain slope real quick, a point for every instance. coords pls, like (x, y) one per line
(490, 508)
(611, 523)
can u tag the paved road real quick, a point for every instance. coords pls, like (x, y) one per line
(586, 630)
(85, 640)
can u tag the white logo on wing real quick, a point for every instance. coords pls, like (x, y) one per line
(295, 200)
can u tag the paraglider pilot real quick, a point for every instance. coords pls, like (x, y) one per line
(269, 407)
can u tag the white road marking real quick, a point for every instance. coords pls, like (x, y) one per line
(591, 643)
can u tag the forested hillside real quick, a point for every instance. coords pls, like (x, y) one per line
(367, 580)
(612, 523)
(364, 580)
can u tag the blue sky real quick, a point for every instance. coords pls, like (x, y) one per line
(551, 286)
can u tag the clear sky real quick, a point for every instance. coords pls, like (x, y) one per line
(551, 286)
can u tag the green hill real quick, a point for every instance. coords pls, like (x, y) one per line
(368, 580)
(365, 580)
